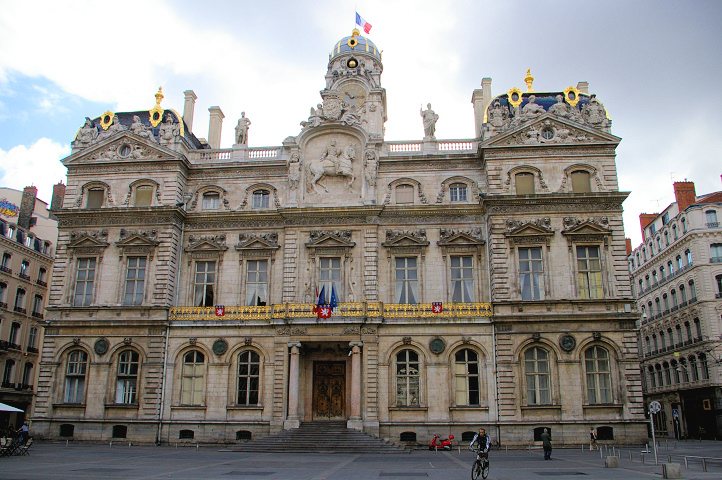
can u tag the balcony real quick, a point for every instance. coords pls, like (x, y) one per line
(692, 300)
(37, 315)
(32, 350)
(344, 310)
(3, 345)
(41, 283)
(13, 346)
(3, 305)
(24, 276)
(711, 224)
(7, 270)
(20, 310)
(8, 385)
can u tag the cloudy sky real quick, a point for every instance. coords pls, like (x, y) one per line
(651, 63)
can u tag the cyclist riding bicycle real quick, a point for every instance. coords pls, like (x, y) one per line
(484, 442)
(481, 464)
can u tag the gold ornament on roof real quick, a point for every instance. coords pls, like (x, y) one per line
(106, 119)
(514, 97)
(353, 41)
(156, 113)
(529, 80)
(571, 95)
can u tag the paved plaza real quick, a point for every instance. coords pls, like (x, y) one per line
(82, 461)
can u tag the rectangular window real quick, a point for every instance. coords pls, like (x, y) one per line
(38, 306)
(20, 299)
(134, 281)
(524, 183)
(211, 201)
(580, 182)
(457, 193)
(84, 279)
(462, 280)
(330, 277)
(14, 333)
(589, 272)
(3, 289)
(404, 194)
(95, 198)
(406, 280)
(261, 199)
(665, 218)
(531, 273)
(257, 282)
(204, 284)
(33, 337)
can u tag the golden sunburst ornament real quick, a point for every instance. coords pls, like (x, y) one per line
(156, 113)
(571, 95)
(514, 96)
(106, 119)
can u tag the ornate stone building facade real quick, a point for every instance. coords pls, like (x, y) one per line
(28, 232)
(677, 272)
(477, 282)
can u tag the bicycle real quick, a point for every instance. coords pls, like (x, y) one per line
(480, 467)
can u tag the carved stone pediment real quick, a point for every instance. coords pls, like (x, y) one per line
(330, 240)
(538, 231)
(257, 244)
(137, 242)
(197, 243)
(593, 230)
(125, 146)
(474, 236)
(551, 129)
(410, 238)
(88, 242)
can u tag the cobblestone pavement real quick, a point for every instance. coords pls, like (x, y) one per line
(81, 461)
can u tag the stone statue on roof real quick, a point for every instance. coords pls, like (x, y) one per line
(87, 134)
(242, 129)
(138, 128)
(429, 118)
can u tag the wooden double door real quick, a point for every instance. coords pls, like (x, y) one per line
(329, 387)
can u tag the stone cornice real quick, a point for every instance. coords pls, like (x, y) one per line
(119, 216)
(11, 245)
(561, 203)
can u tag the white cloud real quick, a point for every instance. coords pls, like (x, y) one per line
(37, 165)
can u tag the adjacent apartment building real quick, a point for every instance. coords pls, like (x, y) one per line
(28, 232)
(677, 276)
(213, 294)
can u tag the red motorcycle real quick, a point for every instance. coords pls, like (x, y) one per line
(443, 443)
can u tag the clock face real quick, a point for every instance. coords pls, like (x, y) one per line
(353, 94)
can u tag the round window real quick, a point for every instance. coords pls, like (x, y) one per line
(124, 150)
(547, 133)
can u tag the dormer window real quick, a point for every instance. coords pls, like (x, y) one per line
(580, 182)
(211, 201)
(524, 183)
(261, 199)
(457, 192)
(404, 194)
(96, 197)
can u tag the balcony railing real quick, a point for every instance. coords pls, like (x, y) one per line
(352, 309)
(20, 310)
(32, 350)
(712, 224)
(41, 283)
(24, 276)
(37, 315)
(3, 305)
(6, 269)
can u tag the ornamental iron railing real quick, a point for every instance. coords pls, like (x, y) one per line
(347, 310)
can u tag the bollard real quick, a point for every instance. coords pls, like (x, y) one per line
(129, 445)
(704, 465)
(630, 455)
(176, 446)
(601, 453)
(642, 456)
(197, 446)
(66, 443)
(686, 463)
(111, 444)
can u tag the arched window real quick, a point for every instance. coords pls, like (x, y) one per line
(75, 376)
(684, 225)
(692, 291)
(655, 279)
(599, 383)
(126, 391)
(665, 301)
(407, 378)
(249, 365)
(661, 273)
(675, 371)
(674, 298)
(697, 329)
(661, 341)
(9, 373)
(659, 244)
(537, 374)
(466, 371)
(652, 379)
(670, 267)
(27, 380)
(457, 192)
(680, 342)
(688, 255)
(667, 374)
(688, 331)
(674, 231)
(683, 370)
(580, 182)
(658, 371)
(704, 366)
(192, 378)
(654, 341)
(694, 373)
(524, 182)
(261, 199)
(666, 238)
(644, 253)
(658, 308)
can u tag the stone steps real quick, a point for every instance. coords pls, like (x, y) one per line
(320, 437)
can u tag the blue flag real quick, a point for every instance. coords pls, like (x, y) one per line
(334, 302)
(321, 297)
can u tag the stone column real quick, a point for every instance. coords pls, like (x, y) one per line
(355, 420)
(292, 419)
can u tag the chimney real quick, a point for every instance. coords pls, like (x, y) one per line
(628, 244)
(56, 203)
(645, 219)
(188, 107)
(214, 127)
(481, 99)
(27, 207)
(583, 87)
(685, 194)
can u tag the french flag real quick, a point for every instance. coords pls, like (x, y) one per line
(363, 23)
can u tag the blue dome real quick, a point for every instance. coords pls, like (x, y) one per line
(355, 43)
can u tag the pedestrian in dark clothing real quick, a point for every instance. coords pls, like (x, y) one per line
(547, 444)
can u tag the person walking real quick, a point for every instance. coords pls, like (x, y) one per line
(24, 432)
(547, 444)
(592, 439)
